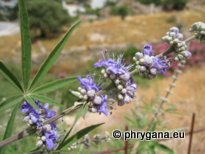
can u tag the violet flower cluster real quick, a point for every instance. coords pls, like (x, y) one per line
(175, 39)
(199, 29)
(148, 65)
(47, 134)
(120, 76)
(89, 92)
(122, 86)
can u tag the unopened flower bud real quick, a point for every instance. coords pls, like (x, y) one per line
(97, 100)
(148, 60)
(141, 60)
(120, 97)
(120, 87)
(117, 81)
(112, 76)
(176, 58)
(124, 91)
(39, 143)
(83, 91)
(103, 71)
(30, 122)
(153, 71)
(47, 127)
(27, 118)
(85, 97)
(79, 88)
(94, 110)
(43, 138)
(91, 93)
(142, 68)
(77, 94)
(138, 55)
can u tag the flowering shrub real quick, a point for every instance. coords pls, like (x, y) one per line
(116, 85)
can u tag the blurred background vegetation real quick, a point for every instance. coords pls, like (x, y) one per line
(119, 26)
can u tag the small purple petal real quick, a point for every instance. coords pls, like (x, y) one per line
(147, 50)
(103, 108)
(88, 83)
(26, 107)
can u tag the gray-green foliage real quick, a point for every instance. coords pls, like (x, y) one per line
(46, 17)
(167, 4)
(174, 4)
(8, 13)
(122, 11)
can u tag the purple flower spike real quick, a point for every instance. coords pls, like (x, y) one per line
(88, 92)
(48, 133)
(119, 74)
(147, 50)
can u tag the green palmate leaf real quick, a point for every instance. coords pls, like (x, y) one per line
(164, 148)
(80, 113)
(54, 85)
(9, 76)
(51, 59)
(25, 43)
(44, 99)
(10, 102)
(10, 125)
(79, 135)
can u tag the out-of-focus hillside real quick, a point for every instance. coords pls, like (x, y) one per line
(92, 37)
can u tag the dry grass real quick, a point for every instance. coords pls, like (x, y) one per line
(135, 29)
(188, 97)
(113, 31)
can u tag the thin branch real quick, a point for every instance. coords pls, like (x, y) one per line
(190, 38)
(126, 142)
